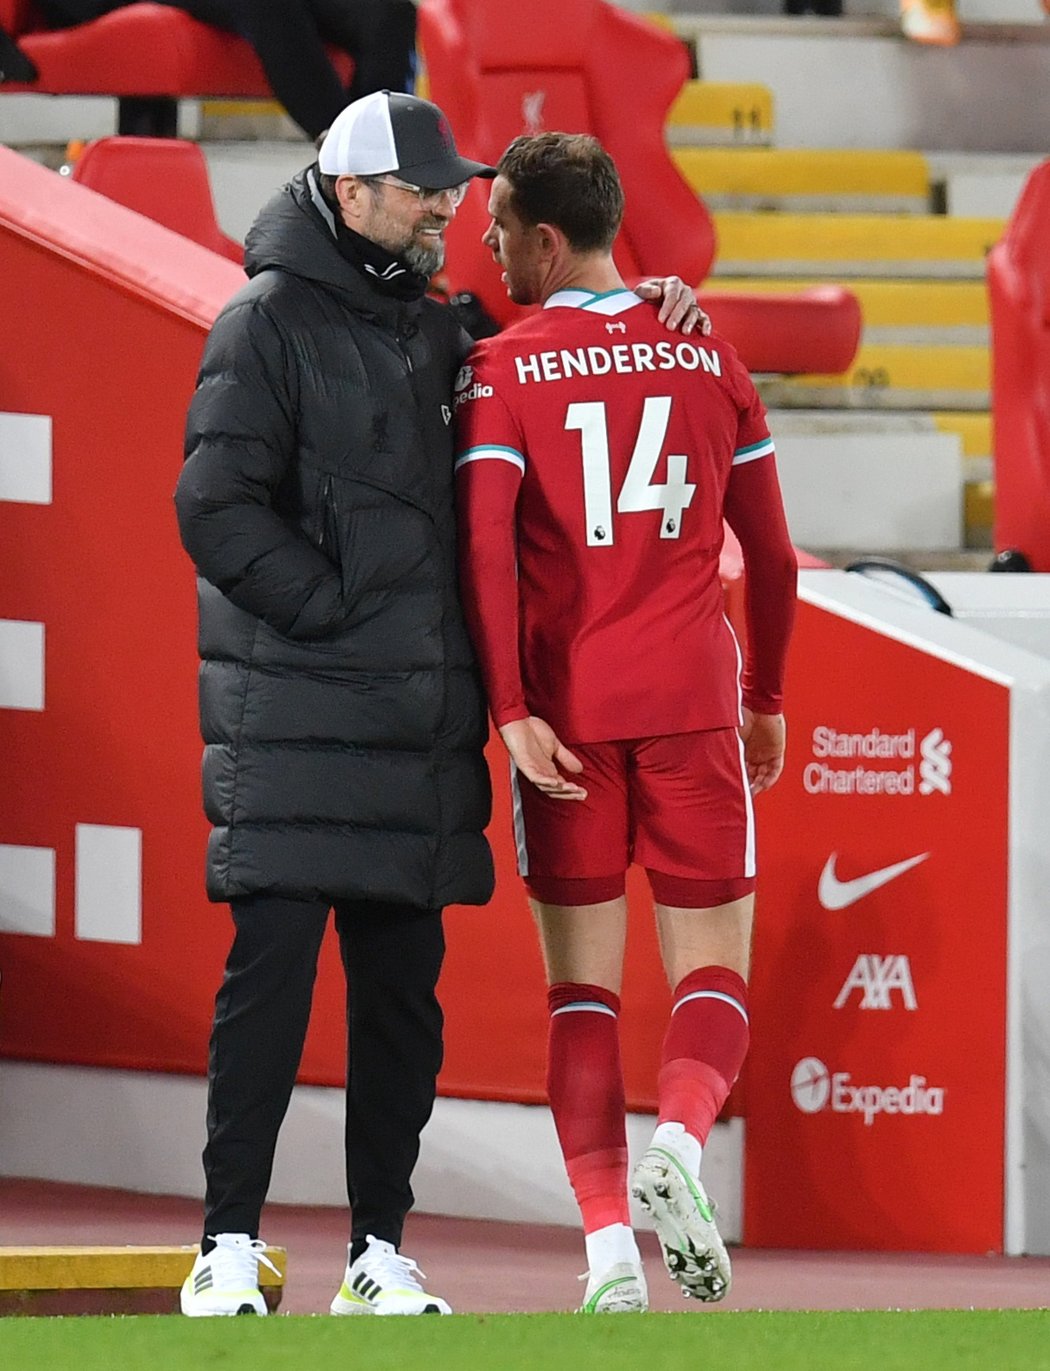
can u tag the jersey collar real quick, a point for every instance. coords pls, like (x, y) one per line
(608, 302)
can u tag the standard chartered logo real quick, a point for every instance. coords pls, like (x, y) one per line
(814, 1087)
(935, 769)
(878, 763)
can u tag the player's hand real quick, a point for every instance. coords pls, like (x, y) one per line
(764, 737)
(678, 310)
(537, 753)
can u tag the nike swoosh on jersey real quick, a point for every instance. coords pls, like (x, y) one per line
(835, 894)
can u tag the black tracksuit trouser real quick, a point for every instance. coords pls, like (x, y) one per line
(392, 957)
(289, 38)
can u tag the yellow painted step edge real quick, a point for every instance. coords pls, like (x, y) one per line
(100, 1268)
(912, 368)
(790, 171)
(723, 104)
(853, 237)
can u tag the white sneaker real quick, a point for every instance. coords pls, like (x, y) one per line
(620, 1289)
(684, 1218)
(226, 1281)
(382, 1281)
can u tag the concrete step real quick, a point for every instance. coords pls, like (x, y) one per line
(108, 1280)
(972, 429)
(980, 184)
(970, 11)
(809, 440)
(872, 490)
(245, 174)
(932, 247)
(807, 180)
(891, 378)
(716, 112)
(856, 82)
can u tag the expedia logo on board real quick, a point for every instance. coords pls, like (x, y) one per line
(815, 1088)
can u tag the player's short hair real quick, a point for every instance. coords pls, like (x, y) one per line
(569, 180)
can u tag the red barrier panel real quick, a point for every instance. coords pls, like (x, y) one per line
(876, 1109)
(1019, 290)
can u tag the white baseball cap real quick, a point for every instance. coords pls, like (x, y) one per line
(388, 131)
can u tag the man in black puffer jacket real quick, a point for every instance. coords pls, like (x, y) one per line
(340, 703)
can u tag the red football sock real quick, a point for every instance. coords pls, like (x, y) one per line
(585, 1089)
(704, 1048)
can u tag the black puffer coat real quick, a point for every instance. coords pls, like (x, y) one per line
(340, 702)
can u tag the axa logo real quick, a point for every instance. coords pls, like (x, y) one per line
(877, 979)
(935, 767)
(835, 893)
(815, 1088)
(532, 103)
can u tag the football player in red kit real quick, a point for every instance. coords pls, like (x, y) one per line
(597, 458)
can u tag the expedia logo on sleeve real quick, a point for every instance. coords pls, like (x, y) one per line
(467, 388)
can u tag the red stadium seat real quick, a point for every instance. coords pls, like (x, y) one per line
(146, 55)
(588, 66)
(166, 179)
(1019, 290)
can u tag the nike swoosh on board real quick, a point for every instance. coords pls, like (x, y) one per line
(835, 894)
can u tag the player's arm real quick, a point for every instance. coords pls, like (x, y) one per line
(488, 480)
(755, 512)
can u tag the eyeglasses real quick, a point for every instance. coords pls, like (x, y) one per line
(428, 198)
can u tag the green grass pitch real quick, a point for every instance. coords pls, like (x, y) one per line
(974, 1340)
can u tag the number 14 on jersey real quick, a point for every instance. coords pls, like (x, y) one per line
(639, 492)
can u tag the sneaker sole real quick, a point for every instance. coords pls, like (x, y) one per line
(693, 1250)
(623, 1302)
(341, 1306)
(242, 1309)
(625, 1295)
(187, 1303)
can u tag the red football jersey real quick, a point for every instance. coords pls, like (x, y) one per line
(594, 453)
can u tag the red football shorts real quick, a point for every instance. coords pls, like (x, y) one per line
(678, 805)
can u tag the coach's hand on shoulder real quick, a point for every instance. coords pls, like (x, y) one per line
(764, 737)
(679, 310)
(537, 753)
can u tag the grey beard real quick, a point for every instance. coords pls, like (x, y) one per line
(424, 260)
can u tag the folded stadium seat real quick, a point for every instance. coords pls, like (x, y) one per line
(1018, 274)
(166, 179)
(586, 66)
(148, 56)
